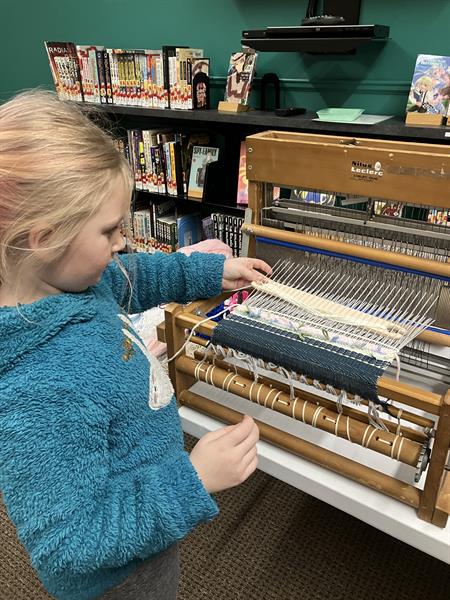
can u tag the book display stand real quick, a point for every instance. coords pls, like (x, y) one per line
(232, 107)
(424, 119)
(212, 184)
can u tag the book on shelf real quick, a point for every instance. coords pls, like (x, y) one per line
(242, 189)
(189, 228)
(208, 228)
(438, 217)
(227, 228)
(201, 157)
(159, 226)
(155, 93)
(101, 75)
(168, 54)
(158, 158)
(140, 77)
(95, 74)
(65, 70)
(154, 227)
(188, 143)
(430, 86)
(87, 60)
(387, 208)
(180, 77)
(166, 233)
(241, 71)
(141, 231)
(200, 96)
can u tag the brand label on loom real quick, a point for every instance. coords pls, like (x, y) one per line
(362, 170)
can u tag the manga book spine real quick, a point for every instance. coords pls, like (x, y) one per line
(50, 49)
(167, 52)
(101, 75)
(82, 56)
(108, 82)
(113, 69)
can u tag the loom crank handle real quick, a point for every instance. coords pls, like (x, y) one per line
(424, 459)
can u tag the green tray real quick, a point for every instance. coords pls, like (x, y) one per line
(339, 114)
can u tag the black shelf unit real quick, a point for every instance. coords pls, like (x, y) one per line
(254, 121)
(186, 201)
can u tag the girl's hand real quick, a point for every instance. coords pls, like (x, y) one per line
(240, 272)
(226, 457)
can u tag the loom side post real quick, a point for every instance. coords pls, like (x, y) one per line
(174, 334)
(427, 508)
(255, 202)
(443, 502)
(175, 339)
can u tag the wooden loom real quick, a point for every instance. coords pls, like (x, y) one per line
(407, 172)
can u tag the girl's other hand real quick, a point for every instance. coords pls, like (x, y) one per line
(240, 272)
(226, 457)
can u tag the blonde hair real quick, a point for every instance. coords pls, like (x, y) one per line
(56, 169)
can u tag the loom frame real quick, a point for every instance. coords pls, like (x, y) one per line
(412, 172)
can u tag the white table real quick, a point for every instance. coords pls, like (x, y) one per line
(372, 507)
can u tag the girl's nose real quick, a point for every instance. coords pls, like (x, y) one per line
(119, 243)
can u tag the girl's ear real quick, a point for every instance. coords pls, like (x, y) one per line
(37, 237)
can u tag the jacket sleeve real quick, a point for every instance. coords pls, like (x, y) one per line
(160, 278)
(72, 514)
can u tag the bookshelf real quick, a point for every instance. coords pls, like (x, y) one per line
(233, 128)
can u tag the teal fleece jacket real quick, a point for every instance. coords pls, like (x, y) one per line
(95, 480)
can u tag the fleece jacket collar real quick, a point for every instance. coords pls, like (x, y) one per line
(27, 326)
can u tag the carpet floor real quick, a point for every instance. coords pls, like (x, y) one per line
(273, 542)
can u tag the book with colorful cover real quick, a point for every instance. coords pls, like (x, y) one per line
(387, 208)
(150, 78)
(201, 157)
(242, 190)
(65, 70)
(187, 144)
(89, 73)
(200, 84)
(189, 229)
(181, 86)
(158, 90)
(240, 75)
(430, 87)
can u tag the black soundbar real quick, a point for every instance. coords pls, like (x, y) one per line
(318, 31)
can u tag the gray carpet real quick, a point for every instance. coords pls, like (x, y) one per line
(272, 542)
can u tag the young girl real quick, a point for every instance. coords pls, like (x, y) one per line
(92, 467)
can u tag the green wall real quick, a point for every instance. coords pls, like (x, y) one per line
(376, 78)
